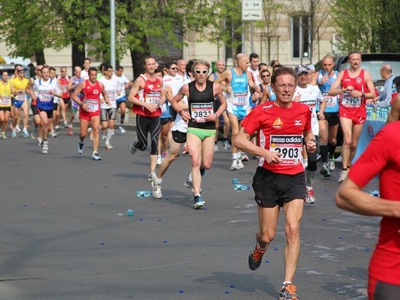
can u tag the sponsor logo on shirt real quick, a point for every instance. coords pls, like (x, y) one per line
(297, 123)
(278, 124)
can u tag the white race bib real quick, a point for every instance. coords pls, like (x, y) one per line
(290, 146)
(330, 100)
(350, 101)
(93, 105)
(240, 98)
(6, 100)
(200, 111)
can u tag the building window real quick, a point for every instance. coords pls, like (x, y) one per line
(301, 36)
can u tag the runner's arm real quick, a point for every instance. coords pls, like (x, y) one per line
(70, 86)
(226, 77)
(310, 142)
(394, 114)
(218, 94)
(370, 85)
(74, 95)
(163, 97)
(334, 90)
(184, 91)
(266, 96)
(252, 85)
(137, 86)
(314, 79)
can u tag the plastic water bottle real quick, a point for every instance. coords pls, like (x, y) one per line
(143, 194)
(241, 187)
(129, 213)
(235, 181)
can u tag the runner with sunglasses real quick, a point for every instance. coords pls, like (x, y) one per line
(201, 94)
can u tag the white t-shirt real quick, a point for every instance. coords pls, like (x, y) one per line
(255, 75)
(110, 86)
(122, 81)
(180, 124)
(310, 96)
(84, 75)
(175, 82)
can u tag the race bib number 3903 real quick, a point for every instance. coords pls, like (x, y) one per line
(200, 111)
(290, 147)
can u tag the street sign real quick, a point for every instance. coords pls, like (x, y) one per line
(252, 10)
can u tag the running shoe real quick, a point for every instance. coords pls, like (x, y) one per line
(121, 129)
(3, 136)
(244, 157)
(234, 165)
(65, 124)
(157, 191)
(198, 202)
(132, 147)
(13, 134)
(17, 129)
(108, 146)
(70, 131)
(325, 170)
(96, 156)
(331, 164)
(152, 176)
(240, 164)
(310, 198)
(34, 133)
(80, 147)
(25, 133)
(343, 176)
(39, 141)
(255, 258)
(216, 148)
(159, 160)
(45, 147)
(53, 134)
(103, 135)
(203, 172)
(189, 185)
(57, 129)
(288, 292)
(226, 145)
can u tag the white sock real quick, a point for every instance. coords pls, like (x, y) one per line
(234, 156)
(190, 177)
(110, 133)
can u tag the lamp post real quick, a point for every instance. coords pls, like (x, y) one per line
(112, 33)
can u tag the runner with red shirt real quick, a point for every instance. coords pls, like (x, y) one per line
(279, 180)
(90, 109)
(384, 271)
(355, 86)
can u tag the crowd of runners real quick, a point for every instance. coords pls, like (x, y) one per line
(285, 117)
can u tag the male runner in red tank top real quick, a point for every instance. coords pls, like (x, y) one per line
(90, 109)
(355, 86)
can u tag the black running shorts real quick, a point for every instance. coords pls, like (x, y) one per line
(272, 189)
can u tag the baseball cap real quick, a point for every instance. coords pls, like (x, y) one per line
(301, 69)
(311, 67)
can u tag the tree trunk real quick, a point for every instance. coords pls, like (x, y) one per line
(40, 60)
(137, 57)
(78, 56)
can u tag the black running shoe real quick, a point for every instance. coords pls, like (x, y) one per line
(255, 258)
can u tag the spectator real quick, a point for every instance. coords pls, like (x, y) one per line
(385, 98)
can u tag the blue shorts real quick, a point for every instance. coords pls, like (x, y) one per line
(122, 99)
(239, 113)
(18, 103)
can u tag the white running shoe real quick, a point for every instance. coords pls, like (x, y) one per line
(310, 198)
(240, 164)
(103, 136)
(3, 136)
(121, 129)
(39, 141)
(244, 157)
(17, 129)
(80, 148)
(53, 134)
(234, 165)
(13, 134)
(65, 124)
(305, 163)
(157, 190)
(331, 164)
(108, 146)
(132, 147)
(96, 156)
(45, 147)
(25, 133)
(226, 145)
(216, 148)
(152, 176)
(343, 176)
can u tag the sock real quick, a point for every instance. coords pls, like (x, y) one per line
(286, 282)
(109, 135)
(190, 177)
(122, 118)
(94, 152)
(197, 195)
(331, 150)
(344, 169)
(158, 180)
(263, 250)
(323, 150)
(234, 156)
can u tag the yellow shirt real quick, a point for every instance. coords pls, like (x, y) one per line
(5, 94)
(20, 84)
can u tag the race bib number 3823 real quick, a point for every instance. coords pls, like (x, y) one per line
(290, 147)
(200, 111)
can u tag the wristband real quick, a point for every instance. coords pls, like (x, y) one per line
(216, 115)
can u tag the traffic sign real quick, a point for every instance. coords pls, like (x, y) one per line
(251, 10)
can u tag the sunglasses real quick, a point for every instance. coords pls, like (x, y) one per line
(21, 71)
(201, 71)
(174, 68)
(265, 76)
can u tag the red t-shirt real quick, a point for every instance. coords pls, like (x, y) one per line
(280, 130)
(64, 86)
(151, 94)
(378, 159)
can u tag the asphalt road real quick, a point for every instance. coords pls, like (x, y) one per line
(65, 233)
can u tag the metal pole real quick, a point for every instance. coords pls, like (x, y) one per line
(112, 33)
(252, 36)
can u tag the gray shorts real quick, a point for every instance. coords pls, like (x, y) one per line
(108, 114)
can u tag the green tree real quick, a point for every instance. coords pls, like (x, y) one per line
(388, 35)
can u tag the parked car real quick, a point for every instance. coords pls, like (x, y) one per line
(10, 69)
